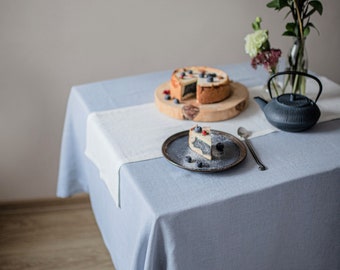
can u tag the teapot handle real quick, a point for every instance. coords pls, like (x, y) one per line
(295, 73)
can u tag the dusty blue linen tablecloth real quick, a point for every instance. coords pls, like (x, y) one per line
(284, 218)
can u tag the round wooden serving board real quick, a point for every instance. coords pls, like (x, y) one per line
(192, 110)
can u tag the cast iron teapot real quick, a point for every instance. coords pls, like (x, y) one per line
(291, 112)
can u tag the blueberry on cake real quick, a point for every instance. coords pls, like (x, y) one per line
(200, 141)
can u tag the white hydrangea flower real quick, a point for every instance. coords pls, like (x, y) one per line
(254, 42)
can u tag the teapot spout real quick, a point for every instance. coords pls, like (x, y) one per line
(261, 102)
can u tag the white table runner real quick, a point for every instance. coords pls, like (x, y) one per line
(136, 133)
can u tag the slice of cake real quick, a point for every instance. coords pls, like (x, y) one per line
(200, 141)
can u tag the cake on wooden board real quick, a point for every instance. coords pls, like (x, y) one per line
(201, 94)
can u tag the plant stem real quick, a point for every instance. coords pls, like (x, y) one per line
(302, 45)
(299, 20)
(275, 87)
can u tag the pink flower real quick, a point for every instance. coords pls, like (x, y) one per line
(269, 59)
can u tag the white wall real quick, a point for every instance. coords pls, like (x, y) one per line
(46, 46)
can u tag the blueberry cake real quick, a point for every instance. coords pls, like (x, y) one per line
(207, 85)
(200, 141)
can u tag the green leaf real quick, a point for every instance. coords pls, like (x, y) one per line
(278, 4)
(313, 26)
(306, 31)
(291, 26)
(289, 12)
(310, 13)
(317, 5)
(274, 4)
(289, 34)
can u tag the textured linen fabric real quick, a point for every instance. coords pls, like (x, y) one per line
(284, 218)
(136, 133)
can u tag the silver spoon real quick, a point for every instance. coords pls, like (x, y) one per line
(243, 133)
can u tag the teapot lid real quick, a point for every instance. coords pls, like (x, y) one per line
(295, 100)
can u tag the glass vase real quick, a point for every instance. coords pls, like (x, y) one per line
(298, 61)
(276, 86)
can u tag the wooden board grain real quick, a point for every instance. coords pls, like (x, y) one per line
(191, 110)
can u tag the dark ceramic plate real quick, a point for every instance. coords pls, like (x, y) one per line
(176, 148)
